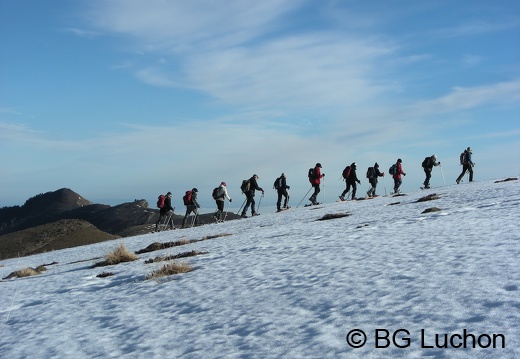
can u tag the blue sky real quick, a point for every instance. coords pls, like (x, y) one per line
(123, 100)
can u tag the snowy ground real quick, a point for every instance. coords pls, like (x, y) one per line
(288, 286)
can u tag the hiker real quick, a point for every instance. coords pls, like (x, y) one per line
(250, 196)
(190, 201)
(372, 174)
(397, 175)
(350, 179)
(220, 194)
(467, 165)
(315, 180)
(166, 211)
(280, 184)
(427, 165)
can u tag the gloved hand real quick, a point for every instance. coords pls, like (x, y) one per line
(439, 163)
(288, 187)
(324, 175)
(404, 174)
(230, 200)
(358, 181)
(383, 174)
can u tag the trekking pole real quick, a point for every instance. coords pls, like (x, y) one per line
(384, 182)
(242, 206)
(442, 176)
(304, 197)
(323, 194)
(225, 215)
(259, 202)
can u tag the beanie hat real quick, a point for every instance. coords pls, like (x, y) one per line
(223, 184)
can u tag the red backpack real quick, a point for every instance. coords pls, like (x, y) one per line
(160, 201)
(346, 172)
(187, 198)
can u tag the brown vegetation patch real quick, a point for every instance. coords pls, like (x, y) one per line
(507, 180)
(118, 255)
(429, 197)
(26, 272)
(333, 216)
(432, 209)
(176, 256)
(105, 274)
(156, 246)
(393, 204)
(170, 269)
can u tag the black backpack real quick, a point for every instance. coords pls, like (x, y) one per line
(371, 172)
(463, 158)
(393, 169)
(245, 186)
(277, 183)
(425, 162)
(214, 194)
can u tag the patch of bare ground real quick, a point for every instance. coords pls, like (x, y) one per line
(333, 216)
(105, 274)
(430, 197)
(507, 180)
(118, 255)
(175, 256)
(156, 246)
(26, 272)
(170, 269)
(432, 209)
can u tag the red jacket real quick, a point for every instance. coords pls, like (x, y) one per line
(317, 176)
(398, 170)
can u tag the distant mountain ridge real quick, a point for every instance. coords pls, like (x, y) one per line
(81, 222)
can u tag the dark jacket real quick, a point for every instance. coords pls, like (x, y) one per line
(352, 177)
(253, 185)
(167, 205)
(428, 163)
(281, 183)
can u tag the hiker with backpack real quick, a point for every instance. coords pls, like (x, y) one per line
(467, 164)
(372, 174)
(164, 203)
(190, 201)
(315, 177)
(427, 166)
(396, 171)
(219, 195)
(350, 176)
(280, 184)
(248, 188)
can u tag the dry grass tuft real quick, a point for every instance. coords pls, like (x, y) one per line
(430, 197)
(26, 272)
(333, 216)
(432, 209)
(118, 255)
(170, 269)
(105, 274)
(176, 256)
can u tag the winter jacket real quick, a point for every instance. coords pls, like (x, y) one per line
(398, 171)
(468, 158)
(317, 176)
(167, 206)
(222, 193)
(352, 177)
(428, 163)
(253, 185)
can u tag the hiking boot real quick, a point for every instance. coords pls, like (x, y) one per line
(342, 198)
(254, 214)
(243, 215)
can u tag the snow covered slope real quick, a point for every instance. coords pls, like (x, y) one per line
(287, 285)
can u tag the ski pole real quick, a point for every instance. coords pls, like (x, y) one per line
(304, 197)
(225, 215)
(442, 175)
(323, 194)
(259, 202)
(384, 182)
(242, 206)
